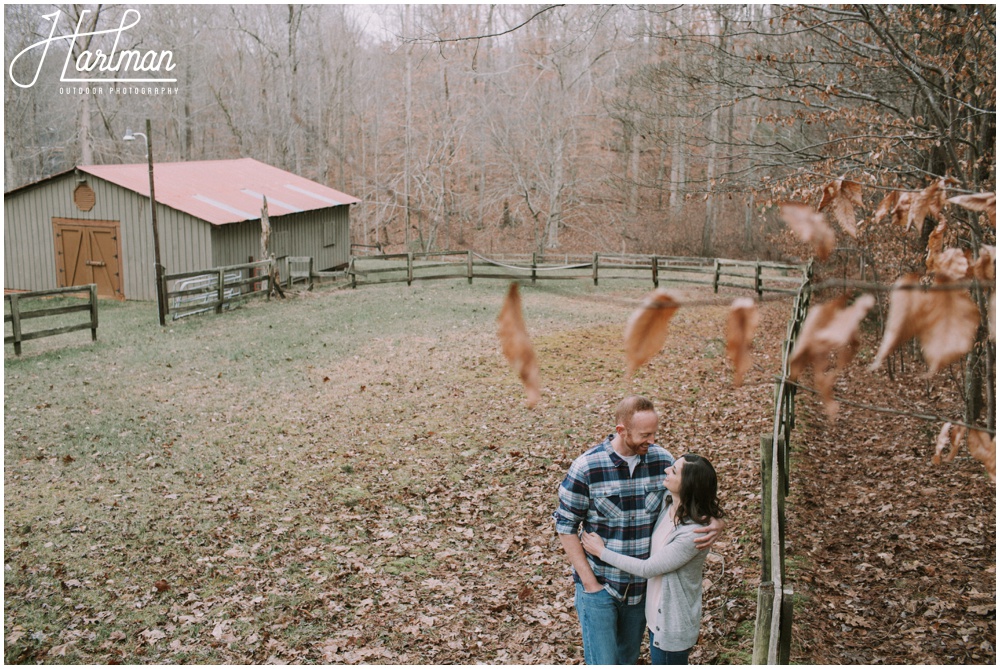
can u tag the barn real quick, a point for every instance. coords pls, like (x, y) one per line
(91, 224)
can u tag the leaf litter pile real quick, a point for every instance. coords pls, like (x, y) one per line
(370, 487)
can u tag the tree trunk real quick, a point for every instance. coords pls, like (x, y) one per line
(555, 195)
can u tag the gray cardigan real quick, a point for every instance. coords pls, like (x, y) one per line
(678, 617)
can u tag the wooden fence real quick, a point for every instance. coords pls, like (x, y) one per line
(773, 632)
(18, 314)
(761, 277)
(189, 293)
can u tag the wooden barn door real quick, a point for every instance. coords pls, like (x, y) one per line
(89, 252)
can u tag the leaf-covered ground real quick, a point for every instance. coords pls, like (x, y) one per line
(352, 477)
(893, 558)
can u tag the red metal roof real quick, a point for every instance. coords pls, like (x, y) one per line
(223, 191)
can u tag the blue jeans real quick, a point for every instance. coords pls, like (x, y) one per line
(657, 656)
(612, 630)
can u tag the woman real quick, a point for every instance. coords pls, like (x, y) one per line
(673, 570)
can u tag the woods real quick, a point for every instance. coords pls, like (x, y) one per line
(653, 129)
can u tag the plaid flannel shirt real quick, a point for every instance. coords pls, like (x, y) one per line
(600, 494)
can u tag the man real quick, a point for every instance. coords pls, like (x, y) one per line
(616, 489)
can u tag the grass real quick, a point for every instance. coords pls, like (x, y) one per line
(236, 488)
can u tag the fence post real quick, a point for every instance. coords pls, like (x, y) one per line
(785, 629)
(715, 276)
(166, 295)
(762, 630)
(93, 311)
(757, 282)
(468, 262)
(656, 272)
(222, 291)
(354, 276)
(15, 322)
(409, 268)
(534, 265)
(596, 263)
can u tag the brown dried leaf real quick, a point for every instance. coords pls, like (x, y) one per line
(935, 244)
(887, 204)
(951, 265)
(516, 344)
(984, 202)
(983, 447)
(928, 202)
(740, 328)
(944, 320)
(948, 437)
(984, 267)
(992, 314)
(646, 330)
(829, 328)
(901, 210)
(810, 226)
(844, 196)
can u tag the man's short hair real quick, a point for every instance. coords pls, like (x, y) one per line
(629, 407)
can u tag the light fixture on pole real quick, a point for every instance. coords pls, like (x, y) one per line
(157, 265)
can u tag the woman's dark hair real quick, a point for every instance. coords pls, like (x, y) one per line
(699, 499)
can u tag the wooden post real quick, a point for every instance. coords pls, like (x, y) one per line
(656, 272)
(354, 277)
(310, 272)
(158, 272)
(93, 312)
(762, 629)
(597, 259)
(468, 266)
(715, 276)
(534, 265)
(409, 268)
(785, 636)
(15, 322)
(163, 287)
(222, 291)
(757, 282)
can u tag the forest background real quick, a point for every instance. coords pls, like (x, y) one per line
(668, 129)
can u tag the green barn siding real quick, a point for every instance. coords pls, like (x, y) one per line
(29, 250)
(186, 243)
(299, 234)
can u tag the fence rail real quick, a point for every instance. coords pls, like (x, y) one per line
(773, 632)
(189, 293)
(18, 314)
(761, 277)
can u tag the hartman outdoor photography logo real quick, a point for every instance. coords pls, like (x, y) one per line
(96, 60)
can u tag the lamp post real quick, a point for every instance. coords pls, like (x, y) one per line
(157, 265)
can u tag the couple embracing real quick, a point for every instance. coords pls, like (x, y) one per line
(648, 521)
